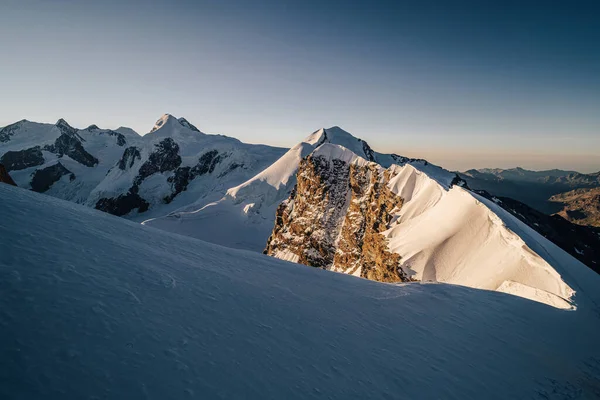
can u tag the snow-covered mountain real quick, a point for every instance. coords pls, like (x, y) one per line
(124, 173)
(95, 306)
(60, 160)
(330, 202)
(334, 203)
(244, 217)
(412, 221)
(174, 165)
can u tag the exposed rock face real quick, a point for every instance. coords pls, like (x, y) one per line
(5, 177)
(371, 209)
(123, 204)
(129, 156)
(582, 242)
(44, 178)
(165, 157)
(183, 175)
(333, 217)
(69, 143)
(16, 160)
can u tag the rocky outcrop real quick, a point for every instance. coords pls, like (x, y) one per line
(333, 219)
(69, 144)
(129, 156)
(43, 179)
(184, 175)
(5, 177)
(371, 209)
(165, 157)
(122, 204)
(16, 160)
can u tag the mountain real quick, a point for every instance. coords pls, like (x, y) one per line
(174, 165)
(533, 188)
(96, 306)
(125, 174)
(58, 159)
(411, 222)
(581, 206)
(244, 217)
(381, 217)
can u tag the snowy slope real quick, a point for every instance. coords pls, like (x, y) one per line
(453, 235)
(94, 306)
(244, 217)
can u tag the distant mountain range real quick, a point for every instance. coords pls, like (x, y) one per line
(581, 206)
(533, 188)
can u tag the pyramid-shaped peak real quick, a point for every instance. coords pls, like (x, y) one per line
(176, 123)
(162, 121)
(62, 122)
(64, 127)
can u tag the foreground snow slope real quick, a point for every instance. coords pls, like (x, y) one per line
(96, 306)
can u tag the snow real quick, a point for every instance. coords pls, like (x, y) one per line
(95, 306)
(452, 235)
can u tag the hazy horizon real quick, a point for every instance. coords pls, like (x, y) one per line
(466, 85)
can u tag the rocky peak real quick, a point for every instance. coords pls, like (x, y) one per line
(65, 128)
(334, 216)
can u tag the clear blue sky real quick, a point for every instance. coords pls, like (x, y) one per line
(463, 83)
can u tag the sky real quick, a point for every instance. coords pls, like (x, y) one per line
(465, 84)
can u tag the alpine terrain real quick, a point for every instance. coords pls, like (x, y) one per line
(330, 202)
(126, 174)
(334, 203)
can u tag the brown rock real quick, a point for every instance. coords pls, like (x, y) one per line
(334, 217)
